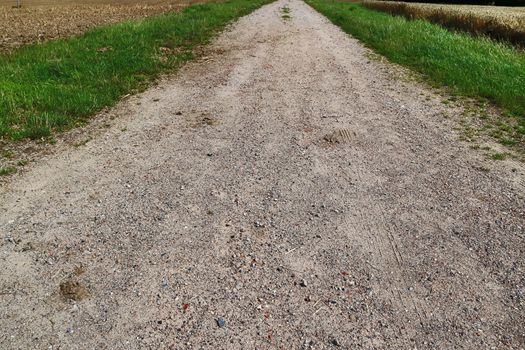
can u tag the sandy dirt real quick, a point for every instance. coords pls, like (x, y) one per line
(284, 192)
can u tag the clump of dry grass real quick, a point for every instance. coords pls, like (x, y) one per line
(500, 23)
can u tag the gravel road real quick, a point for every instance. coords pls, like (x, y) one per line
(283, 192)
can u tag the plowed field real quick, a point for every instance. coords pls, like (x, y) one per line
(38, 21)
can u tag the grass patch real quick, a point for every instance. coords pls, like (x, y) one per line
(470, 66)
(285, 10)
(53, 86)
(499, 156)
(7, 153)
(7, 171)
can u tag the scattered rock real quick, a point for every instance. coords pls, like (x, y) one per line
(303, 283)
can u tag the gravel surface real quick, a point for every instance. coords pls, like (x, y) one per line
(283, 192)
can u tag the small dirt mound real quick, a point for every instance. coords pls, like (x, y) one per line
(340, 136)
(73, 290)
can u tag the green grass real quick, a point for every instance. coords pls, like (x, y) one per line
(285, 13)
(469, 66)
(7, 153)
(7, 171)
(55, 85)
(499, 156)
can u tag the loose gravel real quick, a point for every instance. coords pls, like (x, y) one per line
(283, 192)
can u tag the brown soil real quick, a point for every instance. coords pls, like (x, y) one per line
(212, 212)
(73, 290)
(30, 24)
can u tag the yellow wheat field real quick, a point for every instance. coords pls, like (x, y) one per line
(502, 23)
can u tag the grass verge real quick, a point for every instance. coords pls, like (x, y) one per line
(55, 85)
(469, 66)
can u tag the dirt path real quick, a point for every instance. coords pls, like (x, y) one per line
(286, 185)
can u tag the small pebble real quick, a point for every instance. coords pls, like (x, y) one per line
(303, 283)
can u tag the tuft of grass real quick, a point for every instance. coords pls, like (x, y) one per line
(470, 66)
(56, 85)
(285, 10)
(7, 153)
(499, 156)
(507, 141)
(7, 171)
(82, 143)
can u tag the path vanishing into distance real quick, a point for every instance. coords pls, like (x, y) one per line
(285, 191)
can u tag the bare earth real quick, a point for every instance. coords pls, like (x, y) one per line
(39, 21)
(286, 185)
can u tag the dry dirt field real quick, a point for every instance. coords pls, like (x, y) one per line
(285, 191)
(39, 21)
